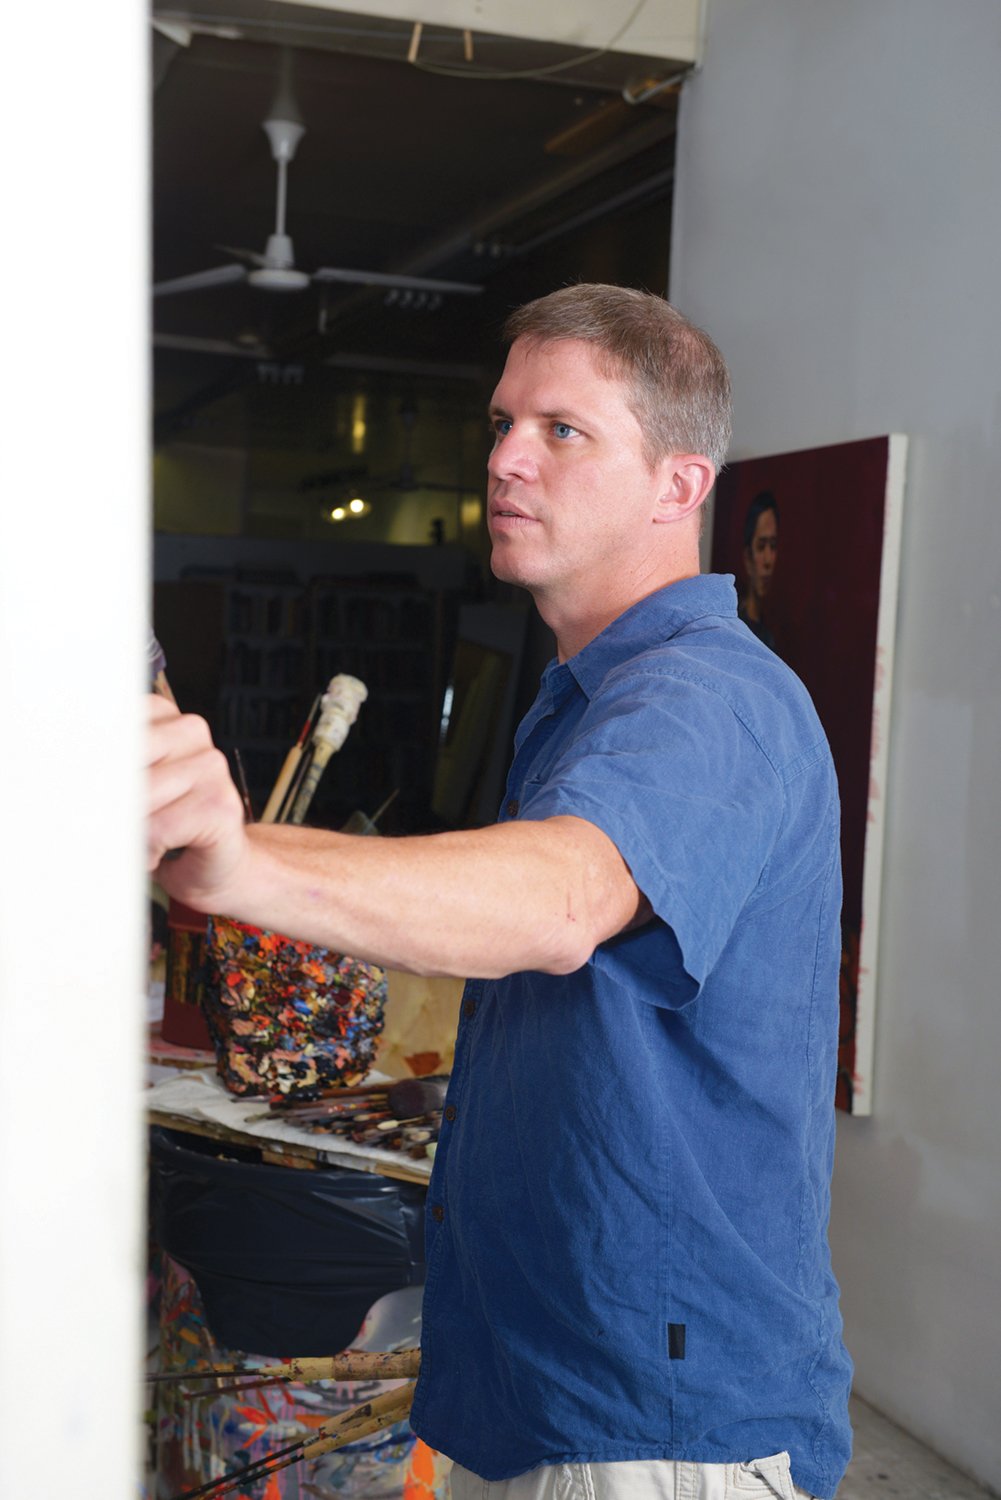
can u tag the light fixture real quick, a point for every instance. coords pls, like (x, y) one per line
(346, 510)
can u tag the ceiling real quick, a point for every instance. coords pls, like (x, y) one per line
(516, 184)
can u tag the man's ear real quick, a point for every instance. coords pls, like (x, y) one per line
(688, 479)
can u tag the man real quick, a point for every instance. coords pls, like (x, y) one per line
(761, 546)
(628, 1289)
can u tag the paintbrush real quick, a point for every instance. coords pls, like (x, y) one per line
(285, 775)
(248, 806)
(405, 1097)
(361, 1421)
(282, 1105)
(338, 711)
(353, 1364)
(292, 791)
(157, 662)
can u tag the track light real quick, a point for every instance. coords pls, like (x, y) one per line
(346, 510)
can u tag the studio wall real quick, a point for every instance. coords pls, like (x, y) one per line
(838, 209)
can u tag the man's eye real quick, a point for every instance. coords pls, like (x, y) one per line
(563, 429)
(502, 426)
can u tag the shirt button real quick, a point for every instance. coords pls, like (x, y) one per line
(450, 1112)
(469, 1009)
(512, 808)
(437, 1213)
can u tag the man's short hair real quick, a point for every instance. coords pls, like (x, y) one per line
(679, 380)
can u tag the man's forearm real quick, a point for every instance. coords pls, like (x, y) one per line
(480, 903)
(477, 903)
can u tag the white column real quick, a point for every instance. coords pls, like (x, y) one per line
(73, 589)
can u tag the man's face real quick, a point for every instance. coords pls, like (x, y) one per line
(570, 495)
(759, 557)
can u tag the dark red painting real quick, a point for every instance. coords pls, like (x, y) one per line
(813, 539)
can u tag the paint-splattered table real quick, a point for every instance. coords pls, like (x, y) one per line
(196, 1101)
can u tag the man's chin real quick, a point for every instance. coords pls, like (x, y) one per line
(503, 567)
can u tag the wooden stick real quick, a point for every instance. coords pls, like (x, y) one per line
(353, 1364)
(277, 794)
(284, 812)
(248, 806)
(362, 1421)
(287, 771)
(349, 1427)
(238, 1387)
(282, 1108)
(387, 804)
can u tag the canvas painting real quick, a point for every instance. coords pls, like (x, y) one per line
(813, 540)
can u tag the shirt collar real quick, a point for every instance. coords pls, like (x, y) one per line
(656, 618)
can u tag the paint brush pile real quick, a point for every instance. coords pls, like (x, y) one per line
(289, 1017)
(323, 733)
(363, 1421)
(404, 1116)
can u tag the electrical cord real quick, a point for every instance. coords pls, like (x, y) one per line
(221, 23)
(454, 70)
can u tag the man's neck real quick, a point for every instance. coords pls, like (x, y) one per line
(575, 627)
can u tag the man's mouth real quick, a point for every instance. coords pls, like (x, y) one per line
(501, 512)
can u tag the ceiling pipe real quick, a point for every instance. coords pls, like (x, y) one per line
(639, 190)
(463, 237)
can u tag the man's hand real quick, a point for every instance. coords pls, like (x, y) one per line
(194, 809)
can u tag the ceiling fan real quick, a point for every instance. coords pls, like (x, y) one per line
(275, 270)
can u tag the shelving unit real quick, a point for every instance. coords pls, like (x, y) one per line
(276, 639)
(388, 633)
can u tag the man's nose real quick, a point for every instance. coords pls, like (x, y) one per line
(513, 456)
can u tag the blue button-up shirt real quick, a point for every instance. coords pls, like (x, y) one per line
(627, 1251)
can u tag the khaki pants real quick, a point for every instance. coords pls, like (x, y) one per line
(638, 1479)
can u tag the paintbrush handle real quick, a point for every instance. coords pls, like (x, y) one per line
(338, 711)
(354, 1364)
(321, 754)
(281, 786)
(290, 767)
(361, 1421)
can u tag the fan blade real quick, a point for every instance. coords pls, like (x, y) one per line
(199, 281)
(194, 344)
(252, 257)
(385, 278)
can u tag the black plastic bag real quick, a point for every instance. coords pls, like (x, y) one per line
(286, 1262)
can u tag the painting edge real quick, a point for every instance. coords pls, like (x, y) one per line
(872, 868)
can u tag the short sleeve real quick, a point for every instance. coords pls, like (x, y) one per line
(667, 769)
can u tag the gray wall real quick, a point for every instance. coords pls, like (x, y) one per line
(838, 230)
